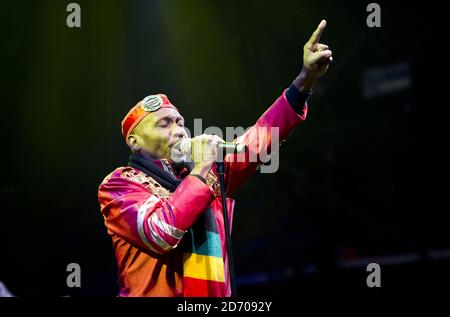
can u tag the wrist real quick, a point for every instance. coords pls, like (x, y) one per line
(297, 99)
(305, 81)
(202, 169)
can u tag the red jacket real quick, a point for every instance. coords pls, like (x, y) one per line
(146, 222)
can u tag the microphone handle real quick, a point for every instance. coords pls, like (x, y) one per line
(229, 147)
(233, 147)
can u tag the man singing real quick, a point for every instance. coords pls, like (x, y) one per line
(166, 219)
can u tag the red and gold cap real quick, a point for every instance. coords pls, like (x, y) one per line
(143, 108)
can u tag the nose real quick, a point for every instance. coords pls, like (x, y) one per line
(179, 132)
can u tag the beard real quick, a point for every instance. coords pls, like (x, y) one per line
(178, 166)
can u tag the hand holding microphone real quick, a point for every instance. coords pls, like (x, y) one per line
(203, 150)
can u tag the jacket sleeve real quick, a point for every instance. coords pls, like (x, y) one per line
(150, 222)
(281, 117)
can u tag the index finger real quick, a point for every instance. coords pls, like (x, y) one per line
(315, 37)
(217, 138)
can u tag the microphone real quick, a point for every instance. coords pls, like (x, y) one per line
(181, 151)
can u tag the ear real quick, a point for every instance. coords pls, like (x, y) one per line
(133, 143)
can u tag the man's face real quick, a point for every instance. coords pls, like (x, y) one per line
(158, 132)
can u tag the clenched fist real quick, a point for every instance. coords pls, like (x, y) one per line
(204, 153)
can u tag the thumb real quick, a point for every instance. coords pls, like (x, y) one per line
(320, 57)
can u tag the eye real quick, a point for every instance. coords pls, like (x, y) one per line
(180, 123)
(162, 124)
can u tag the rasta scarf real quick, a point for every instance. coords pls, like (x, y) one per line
(203, 265)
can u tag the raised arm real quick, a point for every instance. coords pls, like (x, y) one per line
(289, 110)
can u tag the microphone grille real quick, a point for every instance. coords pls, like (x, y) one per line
(185, 146)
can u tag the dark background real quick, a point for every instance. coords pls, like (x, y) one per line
(363, 180)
